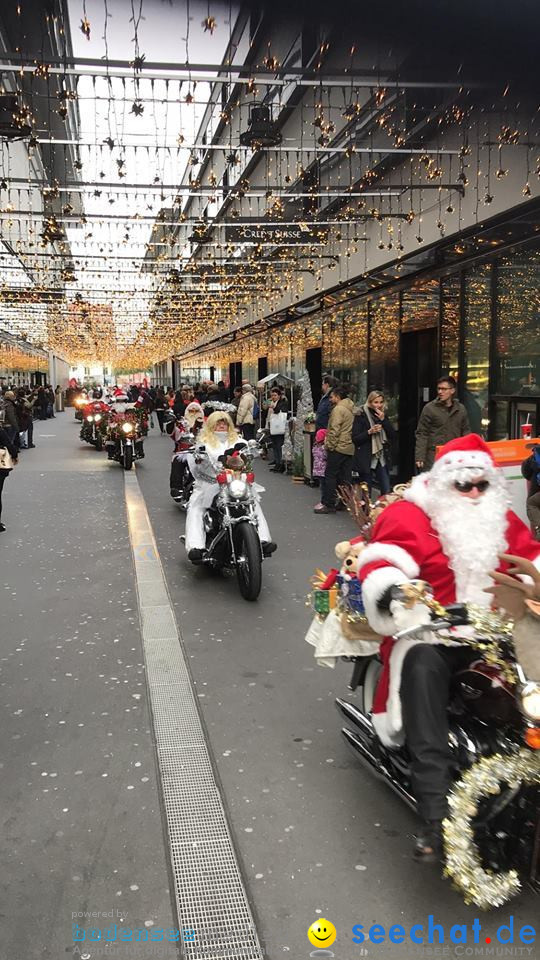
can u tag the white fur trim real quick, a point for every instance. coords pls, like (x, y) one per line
(393, 704)
(407, 617)
(417, 493)
(389, 725)
(464, 458)
(393, 554)
(373, 587)
(382, 727)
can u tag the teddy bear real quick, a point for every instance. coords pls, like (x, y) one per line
(348, 553)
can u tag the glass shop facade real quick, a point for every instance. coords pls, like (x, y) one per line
(470, 308)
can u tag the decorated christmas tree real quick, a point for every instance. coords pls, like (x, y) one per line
(305, 406)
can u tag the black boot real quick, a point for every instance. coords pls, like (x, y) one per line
(429, 846)
(196, 556)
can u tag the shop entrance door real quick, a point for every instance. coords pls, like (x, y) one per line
(418, 381)
(262, 368)
(314, 368)
(235, 376)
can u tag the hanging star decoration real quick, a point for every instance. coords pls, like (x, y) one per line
(209, 24)
(138, 62)
(137, 108)
(85, 27)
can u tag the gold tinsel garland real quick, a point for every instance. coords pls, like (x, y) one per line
(463, 864)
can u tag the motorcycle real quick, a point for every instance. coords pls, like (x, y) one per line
(181, 479)
(124, 441)
(94, 415)
(264, 439)
(492, 834)
(231, 523)
(79, 403)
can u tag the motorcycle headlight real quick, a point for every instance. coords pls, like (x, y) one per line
(80, 401)
(127, 427)
(97, 418)
(530, 700)
(90, 418)
(237, 489)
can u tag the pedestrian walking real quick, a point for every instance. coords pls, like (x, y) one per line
(11, 419)
(441, 420)
(324, 407)
(42, 403)
(160, 405)
(319, 461)
(372, 435)
(530, 469)
(7, 450)
(50, 402)
(236, 398)
(25, 411)
(277, 423)
(339, 449)
(245, 418)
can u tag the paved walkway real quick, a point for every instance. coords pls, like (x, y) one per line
(83, 824)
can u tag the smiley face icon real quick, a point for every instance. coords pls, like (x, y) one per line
(322, 933)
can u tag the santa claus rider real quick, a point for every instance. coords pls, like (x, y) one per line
(449, 530)
(217, 435)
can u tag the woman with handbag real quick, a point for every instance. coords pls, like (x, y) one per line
(277, 422)
(8, 459)
(372, 435)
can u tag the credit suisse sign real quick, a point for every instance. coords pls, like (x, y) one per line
(274, 233)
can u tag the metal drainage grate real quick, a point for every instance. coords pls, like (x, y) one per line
(211, 899)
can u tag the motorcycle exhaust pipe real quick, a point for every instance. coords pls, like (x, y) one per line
(350, 712)
(376, 766)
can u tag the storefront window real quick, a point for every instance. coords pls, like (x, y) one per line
(517, 342)
(420, 306)
(384, 350)
(477, 307)
(500, 420)
(345, 353)
(451, 299)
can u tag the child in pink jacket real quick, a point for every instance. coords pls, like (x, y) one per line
(319, 460)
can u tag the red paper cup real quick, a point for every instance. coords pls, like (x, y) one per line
(526, 430)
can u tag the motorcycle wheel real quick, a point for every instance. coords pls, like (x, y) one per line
(249, 569)
(369, 685)
(99, 442)
(128, 458)
(502, 827)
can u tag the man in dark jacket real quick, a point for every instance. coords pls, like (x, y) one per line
(6, 444)
(441, 420)
(324, 408)
(11, 419)
(530, 469)
(339, 449)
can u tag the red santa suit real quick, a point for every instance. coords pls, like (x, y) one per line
(409, 541)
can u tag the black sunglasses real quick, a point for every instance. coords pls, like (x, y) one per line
(465, 486)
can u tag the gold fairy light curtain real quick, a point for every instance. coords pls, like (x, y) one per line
(14, 359)
(147, 212)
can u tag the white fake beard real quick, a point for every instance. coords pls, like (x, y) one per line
(472, 532)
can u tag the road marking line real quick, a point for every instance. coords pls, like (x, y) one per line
(211, 899)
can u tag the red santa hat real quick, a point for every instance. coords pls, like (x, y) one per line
(469, 451)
